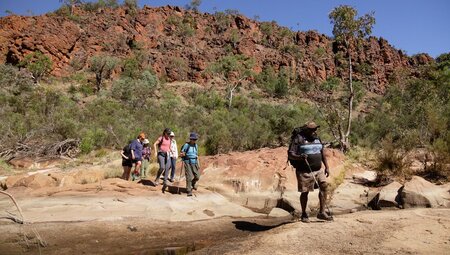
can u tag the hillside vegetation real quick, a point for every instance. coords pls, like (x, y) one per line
(254, 82)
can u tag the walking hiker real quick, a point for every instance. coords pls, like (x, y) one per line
(146, 154)
(162, 148)
(306, 156)
(189, 154)
(127, 162)
(136, 155)
(173, 154)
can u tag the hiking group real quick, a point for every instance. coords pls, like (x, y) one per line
(138, 153)
(305, 154)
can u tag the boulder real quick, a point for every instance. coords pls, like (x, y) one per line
(3, 182)
(12, 180)
(24, 162)
(389, 196)
(66, 181)
(349, 196)
(36, 181)
(365, 177)
(421, 193)
(89, 176)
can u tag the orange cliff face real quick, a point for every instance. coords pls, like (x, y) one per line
(183, 52)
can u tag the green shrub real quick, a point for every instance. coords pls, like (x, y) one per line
(38, 64)
(135, 91)
(13, 82)
(392, 161)
(223, 22)
(102, 66)
(92, 139)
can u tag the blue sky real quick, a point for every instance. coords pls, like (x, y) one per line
(414, 26)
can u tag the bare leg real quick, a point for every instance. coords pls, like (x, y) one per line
(137, 167)
(126, 173)
(322, 197)
(304, 201)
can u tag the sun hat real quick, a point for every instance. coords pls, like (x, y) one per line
(172, 134)
(311, 125)
(193, 136)
(146, 141)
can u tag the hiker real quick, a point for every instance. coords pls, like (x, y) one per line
(162, 148)
(306, 155)
(189, 154)
(173, 154)
(127, 162)
(136, 154)
(146, 155)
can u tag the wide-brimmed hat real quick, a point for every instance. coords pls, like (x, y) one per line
(146, 141)
(172, 134)
(311, 125)
(193, 136)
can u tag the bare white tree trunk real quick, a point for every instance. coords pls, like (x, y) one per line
(350, 101)
(232, 88)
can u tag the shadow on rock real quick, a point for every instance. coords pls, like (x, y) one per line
(147, 183)
(174, 189)
(254, 227)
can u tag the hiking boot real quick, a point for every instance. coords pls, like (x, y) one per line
(189, 194)
(171, 180)
(304, 218)
(156, 182)
(324, 216)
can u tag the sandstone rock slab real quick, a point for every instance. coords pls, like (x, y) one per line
(421, 193)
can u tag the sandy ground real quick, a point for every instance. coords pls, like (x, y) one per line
(418, 231)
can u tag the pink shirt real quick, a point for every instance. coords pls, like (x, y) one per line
(165, 145)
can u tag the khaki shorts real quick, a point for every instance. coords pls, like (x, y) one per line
(305, 180)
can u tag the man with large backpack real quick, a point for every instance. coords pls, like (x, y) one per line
(306, 155)
(189, 155)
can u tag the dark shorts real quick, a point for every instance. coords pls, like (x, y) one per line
(127, 162)
(137, 160)
(305, 180)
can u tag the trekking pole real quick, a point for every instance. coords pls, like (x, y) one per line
(320, 190)
(179, 179)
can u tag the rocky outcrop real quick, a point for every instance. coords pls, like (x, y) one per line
(421, 193)
(417, 192)
(180, 44)
(365, 178)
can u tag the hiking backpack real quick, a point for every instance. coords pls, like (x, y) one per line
(294, 145)
(189, 146)
(127, 150)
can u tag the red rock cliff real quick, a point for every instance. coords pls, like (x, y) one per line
(181, 44)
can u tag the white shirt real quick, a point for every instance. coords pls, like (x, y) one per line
(173, 153)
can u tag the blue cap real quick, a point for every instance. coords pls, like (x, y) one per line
(193, 136)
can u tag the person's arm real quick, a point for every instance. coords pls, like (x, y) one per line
(182, 151)
(155, 144)
(198, 158)
(293, 152)
(325, 162)
(123, 155)
(175, 152)
(132, 149)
